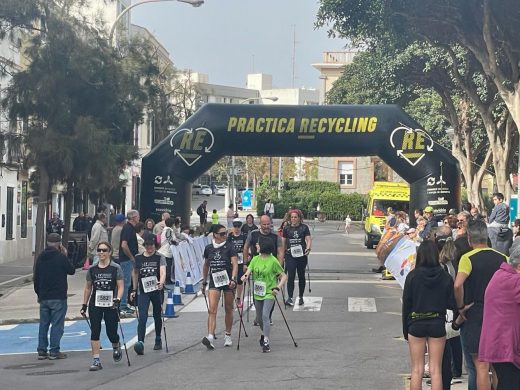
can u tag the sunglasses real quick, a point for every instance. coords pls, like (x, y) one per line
(221, 234)
(103, 249)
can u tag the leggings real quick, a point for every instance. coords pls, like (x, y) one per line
(508, 376)
(263, 311)
(292, 265)
(109, 314)
(143, 303)
(170, 271)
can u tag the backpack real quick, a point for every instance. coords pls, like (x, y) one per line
(199, 211)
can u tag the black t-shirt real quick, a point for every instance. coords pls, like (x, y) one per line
(148, 266)
(104, 279)
(246, 228)
(219, 259)
(252, 240)
(295, 236)
(238, 244)
(128, 234)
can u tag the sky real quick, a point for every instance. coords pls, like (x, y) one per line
(227, 39)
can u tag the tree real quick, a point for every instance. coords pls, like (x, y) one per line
(80, 106)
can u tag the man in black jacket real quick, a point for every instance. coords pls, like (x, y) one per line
(50, 284)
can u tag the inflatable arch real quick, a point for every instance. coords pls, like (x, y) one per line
(217, 130)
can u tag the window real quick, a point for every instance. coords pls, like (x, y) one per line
(346, 173)
(9, 214)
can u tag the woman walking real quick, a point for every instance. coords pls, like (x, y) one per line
(221, 265)
(427, 294)
(269, 278)
(102, 296)
(297, 243)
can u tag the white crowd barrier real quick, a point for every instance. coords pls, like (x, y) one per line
(188, 257)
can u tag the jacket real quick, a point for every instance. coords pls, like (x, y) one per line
(50, 274)
(99, 233)
(500, 336)
(428, 293)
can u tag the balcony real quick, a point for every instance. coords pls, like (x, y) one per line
(338, 57)
(12, 149)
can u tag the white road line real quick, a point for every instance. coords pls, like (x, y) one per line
(363, 254)
(8, 327)
(309, 304)
(365, 305)
(70, 323)
(356, 281)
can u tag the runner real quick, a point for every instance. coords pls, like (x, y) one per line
(102, 296)
(266, 271)
(249, 225)
(297, 243)
(221, 264)
(237, 239)
(149, 274)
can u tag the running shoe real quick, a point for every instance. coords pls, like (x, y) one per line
(300, 301)
(255, 323)
(158, 345)
(262, 341)
(456, 380)
(117, 354)
(271, 322)
(266, 347)
(227, 340)
(289, 302)
(379, 270)
(96, 365)
(42, 355)
(208, 342)
(139, 348)
(57, 355)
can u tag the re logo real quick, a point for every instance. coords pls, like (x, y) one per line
(411, 145)
(191, 144)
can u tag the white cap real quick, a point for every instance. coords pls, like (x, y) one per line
(237, 220)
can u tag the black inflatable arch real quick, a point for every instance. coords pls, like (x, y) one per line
(216, 130)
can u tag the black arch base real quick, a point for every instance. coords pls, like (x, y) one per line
(216, 130)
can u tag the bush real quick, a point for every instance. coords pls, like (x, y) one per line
(312, 186)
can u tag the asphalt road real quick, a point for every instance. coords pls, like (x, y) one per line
(351, 341)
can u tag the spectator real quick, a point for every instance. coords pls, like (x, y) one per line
(80, 223)
(50, 285)
(99, 210)
(158, 228)
(99, 233)
(55, 224)
(427, 294)
(115, 237)
(202, 212)
(475, 214)
(475, 271)
(167, 240)
(500, 336)
(269, 208)
(516, 229)
(430, 222)
(139, 231)
(149, 225)
(214, 217)
(127, 251)
(230, 216)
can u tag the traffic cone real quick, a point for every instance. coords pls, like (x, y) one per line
(177, 297)
(86, 264)
(188, 289)
(169, 311)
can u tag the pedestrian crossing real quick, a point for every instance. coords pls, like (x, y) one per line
(311, 304)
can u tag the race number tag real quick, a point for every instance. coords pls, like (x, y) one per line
(240, 258)
(220, 278)
(296, 251)
(149, 284)
(260, 288)
(104, 298)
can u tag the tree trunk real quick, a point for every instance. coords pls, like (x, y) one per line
(41, 220)
(68, 212)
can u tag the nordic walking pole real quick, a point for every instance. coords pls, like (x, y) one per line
(283, 315)
(90, 327)
(122, 335)
(240, 313)
(164, 328)
(309, 276)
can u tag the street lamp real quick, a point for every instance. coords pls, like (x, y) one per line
(194, 3)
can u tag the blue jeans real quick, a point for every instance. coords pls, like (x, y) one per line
(52, 313)
(470, 365)
(127, 267)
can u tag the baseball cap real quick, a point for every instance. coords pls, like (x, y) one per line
(428, 209)
(237, 221)
(118, 218)
(54, 237)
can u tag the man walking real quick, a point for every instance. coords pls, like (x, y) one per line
(159, 227)
(202, 212)
(50, 285)
(498, 220)
(115, 237)
(127, 251)
(99, 234)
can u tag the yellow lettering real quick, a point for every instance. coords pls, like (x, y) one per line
(290, 126)
(321, 125)
(199, 139)
(186, 141)
(250, 125)
(419, 141)
(408, 140)
(275, 123)
(314, 125)
(231, 123)
(304, 125)
(269, 124)
(260, 122)
(372, 124)
(362, 124)
(332, 121)
(282, 124)
(339, 125)
(241, 125)
(347, 124)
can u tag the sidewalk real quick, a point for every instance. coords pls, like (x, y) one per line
(15, 272)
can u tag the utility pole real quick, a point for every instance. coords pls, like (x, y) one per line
(294, 55)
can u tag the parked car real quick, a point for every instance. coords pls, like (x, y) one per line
(206, 190)
(221, 190)
(196, 189)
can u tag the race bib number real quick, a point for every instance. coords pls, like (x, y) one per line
(296, 251)
(240, 258)
(104, 298)
(149, 284)
(260, 288)
(220, 278)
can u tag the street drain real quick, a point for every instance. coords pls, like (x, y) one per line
(55, 372)
(28, 366)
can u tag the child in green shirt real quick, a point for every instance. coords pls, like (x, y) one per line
(214, 217)
(268, 279)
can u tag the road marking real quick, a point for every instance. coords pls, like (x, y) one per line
(365, 305)
(363, 254)
(356, 281)
(8, 327)
(69, 323)
(309, 304)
